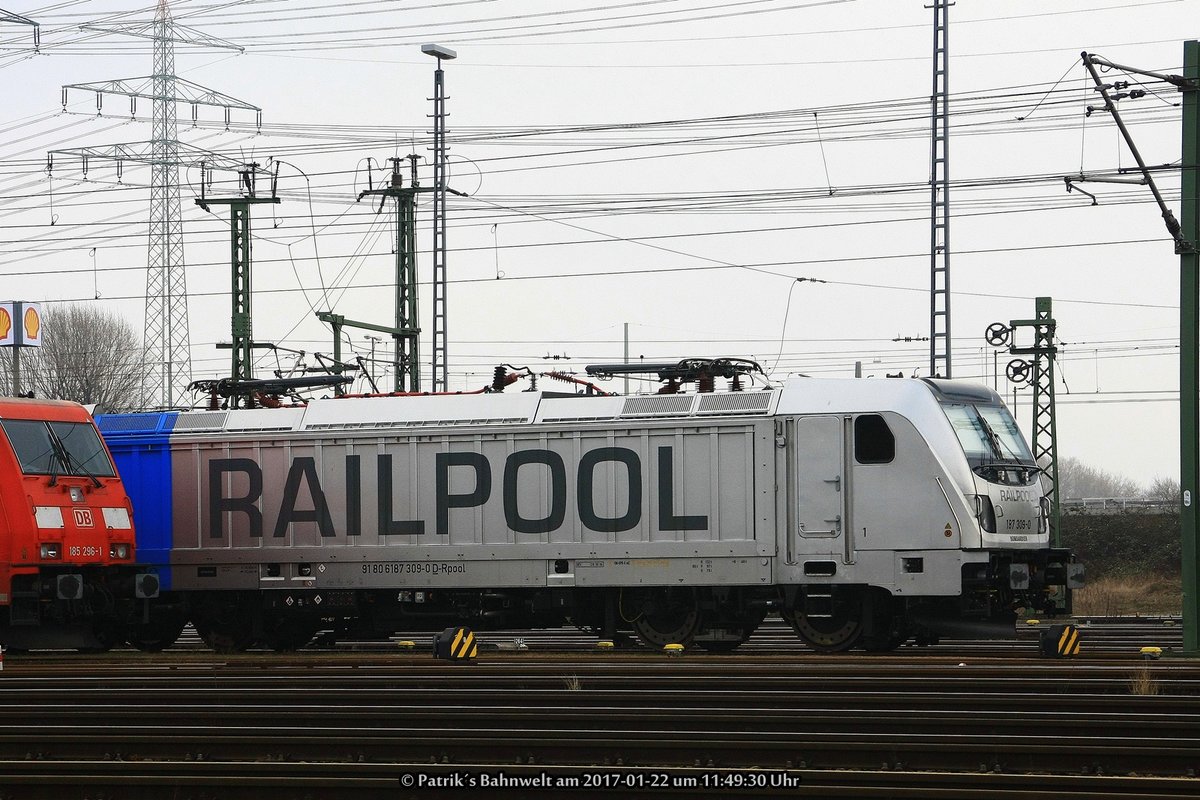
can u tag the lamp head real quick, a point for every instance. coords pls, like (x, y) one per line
(438, 52)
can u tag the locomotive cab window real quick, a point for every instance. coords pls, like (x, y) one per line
(874, 442)
(58, 448)
(992, 442)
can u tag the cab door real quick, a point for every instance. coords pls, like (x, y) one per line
(817, 507)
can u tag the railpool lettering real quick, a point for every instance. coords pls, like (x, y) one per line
(462, 480)
(558, 491)
(218, 503)
(387, 525)
(304, 468)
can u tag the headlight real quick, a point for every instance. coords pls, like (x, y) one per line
(118, 550)
(50, 551)
(985, 512)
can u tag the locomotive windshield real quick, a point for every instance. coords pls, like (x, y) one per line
(58, 448)
(991, 440)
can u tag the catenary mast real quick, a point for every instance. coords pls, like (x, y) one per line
(939, 192)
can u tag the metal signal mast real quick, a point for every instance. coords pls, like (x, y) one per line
(407, 331)
(167, 366)
(939, 194)
(1039, 372)
(241, 261)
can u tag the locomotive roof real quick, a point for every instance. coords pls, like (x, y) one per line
(962, 391)
(26, 408)
(799, 395)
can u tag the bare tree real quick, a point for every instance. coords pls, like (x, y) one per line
(1166, 490)
(88, 355)
(1077, 480)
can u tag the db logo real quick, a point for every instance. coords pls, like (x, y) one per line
(83, 518)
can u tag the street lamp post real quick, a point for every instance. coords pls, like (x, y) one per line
(441, 360)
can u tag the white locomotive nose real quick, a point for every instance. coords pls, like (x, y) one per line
(1018, 516)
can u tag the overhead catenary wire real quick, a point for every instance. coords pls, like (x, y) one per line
(552, 146)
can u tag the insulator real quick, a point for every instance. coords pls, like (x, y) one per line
(735, 385)
(498, 379)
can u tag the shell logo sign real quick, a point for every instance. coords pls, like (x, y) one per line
(31, 334)
(20, 324)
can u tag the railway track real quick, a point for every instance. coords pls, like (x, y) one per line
(324, 723)
(1111, 637)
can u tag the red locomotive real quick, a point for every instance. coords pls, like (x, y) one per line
(66, 531)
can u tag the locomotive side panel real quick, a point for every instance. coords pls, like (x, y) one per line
(365, 509)
(867, 501)
(908, 501)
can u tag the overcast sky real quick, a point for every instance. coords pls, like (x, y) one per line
(671, 164)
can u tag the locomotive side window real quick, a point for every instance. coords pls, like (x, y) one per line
(58, 448)
(874, 442)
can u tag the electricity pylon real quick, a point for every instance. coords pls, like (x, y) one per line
(167, 364)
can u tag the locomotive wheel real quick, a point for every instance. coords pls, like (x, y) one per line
(104, 638)
(835, 633)
(156, 636)
(667, 619)
(226, 637)
(285, 635)
(224, 626)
